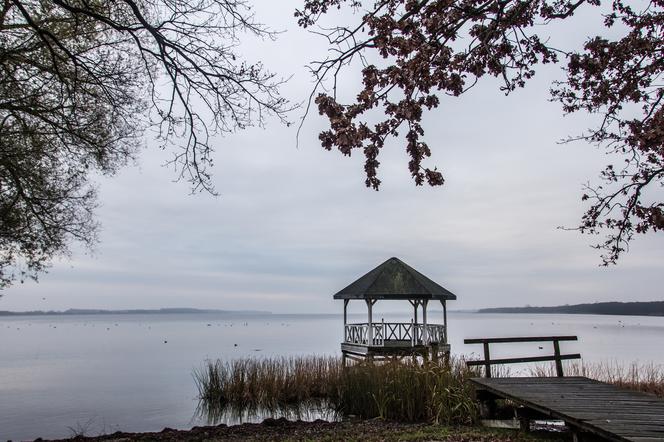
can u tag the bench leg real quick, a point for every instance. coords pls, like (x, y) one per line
(487, 404)
(583, 436)
(488, 408)
(524, 424)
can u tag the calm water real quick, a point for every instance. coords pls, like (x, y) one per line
(133, 373)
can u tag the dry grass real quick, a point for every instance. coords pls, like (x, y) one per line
(293, 387)
(410, 392)
(404, 391)
(647, 378)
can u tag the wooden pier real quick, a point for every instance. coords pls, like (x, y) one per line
(585, 405)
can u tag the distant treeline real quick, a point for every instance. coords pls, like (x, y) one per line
(654, 308)
(75, 311)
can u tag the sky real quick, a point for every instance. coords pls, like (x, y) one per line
(293, 224)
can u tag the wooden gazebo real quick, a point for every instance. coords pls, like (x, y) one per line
(395, 280)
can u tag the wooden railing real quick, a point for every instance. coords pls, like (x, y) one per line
(378, 334)
(382, 331)
(435, 333)
(399, 331)
(356, 334)
(487, 362)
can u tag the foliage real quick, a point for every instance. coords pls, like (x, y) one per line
(404, 391)
(80, 82)
(431, 48)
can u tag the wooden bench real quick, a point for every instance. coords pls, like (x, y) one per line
(557, 357)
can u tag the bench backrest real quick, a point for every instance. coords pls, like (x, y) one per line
(487, 362)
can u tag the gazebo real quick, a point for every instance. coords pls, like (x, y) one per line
(391, 281)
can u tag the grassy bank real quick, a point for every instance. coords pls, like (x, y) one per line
(406, 392)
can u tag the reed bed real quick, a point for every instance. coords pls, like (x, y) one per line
(404, 391)
(412, 392)
(267, 383)
(648, 378)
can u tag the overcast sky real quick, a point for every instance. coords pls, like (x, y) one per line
(294, 225)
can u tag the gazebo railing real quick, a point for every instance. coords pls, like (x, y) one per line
(356, 334)
(399, 331)
(435, 333)
(385, 333)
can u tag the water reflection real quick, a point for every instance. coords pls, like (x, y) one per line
(214, 413)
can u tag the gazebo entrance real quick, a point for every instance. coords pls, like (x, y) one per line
(395, 280)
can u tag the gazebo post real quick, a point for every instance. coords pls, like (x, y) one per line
(413, 323)
(370, 331)
(424, 322)
(346, 301)
(442, 301)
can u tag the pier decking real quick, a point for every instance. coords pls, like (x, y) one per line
(584, 404)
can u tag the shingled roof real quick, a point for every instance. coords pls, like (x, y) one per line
(394, 279)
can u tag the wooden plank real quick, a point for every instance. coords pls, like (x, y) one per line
(619, 407)
(601, 401)
(597, 393)
(519, 360)
(617, 417)
(487, 358)
(595, 398)
(532, 379)
(519, 339)
(558, 358)
(624, 428)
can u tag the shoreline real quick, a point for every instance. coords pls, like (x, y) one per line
(360, 430)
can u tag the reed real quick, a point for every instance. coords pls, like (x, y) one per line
(267, 383)
(433, 392)
(404, 391)
(648, 378)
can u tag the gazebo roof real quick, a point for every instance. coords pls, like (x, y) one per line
(394, 279)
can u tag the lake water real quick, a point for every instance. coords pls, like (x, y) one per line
(134, 372)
